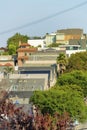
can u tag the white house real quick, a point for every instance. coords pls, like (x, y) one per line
(50, 38)
(37, 42)
(69, 52)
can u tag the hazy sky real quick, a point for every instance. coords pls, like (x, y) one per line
(17, 13)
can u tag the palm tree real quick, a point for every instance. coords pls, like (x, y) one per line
(62, 62)
(8, 70)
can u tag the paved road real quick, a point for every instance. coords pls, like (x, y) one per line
(82, 126)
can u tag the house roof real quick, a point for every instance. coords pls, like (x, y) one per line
(8, 64)
(21, 94)
(27, 50)
(25, 85)
(33, 68)
(4, 49)
(72, 31)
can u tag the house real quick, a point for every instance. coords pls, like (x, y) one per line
(50, 70)
(21, 86)
(37, 42)
(23, 52)
(6, 61)
(28, 82)
(50, 38)
(2, 50)
(80, 42)
(46, 56)
(72, 49)
(69, 52)
(64, 35)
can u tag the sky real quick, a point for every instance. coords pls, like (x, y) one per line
(38, 17)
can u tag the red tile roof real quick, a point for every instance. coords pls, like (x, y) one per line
(8, 64)
(27, 50)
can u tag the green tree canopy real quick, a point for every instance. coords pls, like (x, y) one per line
(61, 99)
(14, 42)
(36, 37)
(74, 78)
(53, 45)
(77, 61)
(12, 49)
(8, 69)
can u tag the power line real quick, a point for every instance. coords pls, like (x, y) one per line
(44, 18)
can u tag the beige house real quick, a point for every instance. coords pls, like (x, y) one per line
(64, 35)
(6, 61)
(50, 38)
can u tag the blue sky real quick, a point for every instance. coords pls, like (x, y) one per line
(15, 13)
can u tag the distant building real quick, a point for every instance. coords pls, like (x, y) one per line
(72, 49)
(6, 60)
(69, 52)
(44, 57)
(81, 42)
(2, 50)
(37, 42)
(39, 71)
(64, 35)
(60, 38)
(24, 51)
(50, 38)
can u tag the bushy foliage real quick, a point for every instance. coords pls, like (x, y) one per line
(13, 117)
(75, 78)
(61, 99)
(53, 45)
(77, 61)
(13, 42)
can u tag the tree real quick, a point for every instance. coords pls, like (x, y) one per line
(12, 49)
(61, 99)
(76, 77)
(36, 37)
(53, 45)
(77, 61)
(14, 41)
(62, 61)
(8, 69)
(14, 117)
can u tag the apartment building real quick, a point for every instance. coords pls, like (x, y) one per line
(50, 38)
(64, 35)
